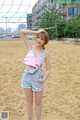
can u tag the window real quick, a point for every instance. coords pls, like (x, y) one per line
(73, 0)
(73, 11)
(51, 1)
(70, 1)
(30, 21)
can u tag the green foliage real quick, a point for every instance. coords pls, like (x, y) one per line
(72, 28)
(61, 28)
(49, 19)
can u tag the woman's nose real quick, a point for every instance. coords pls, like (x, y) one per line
(38, 39)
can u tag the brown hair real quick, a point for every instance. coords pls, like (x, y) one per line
(45, 36)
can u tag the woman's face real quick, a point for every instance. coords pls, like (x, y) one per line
(40, 40)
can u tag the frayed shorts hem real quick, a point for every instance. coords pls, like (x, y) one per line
(35, 90)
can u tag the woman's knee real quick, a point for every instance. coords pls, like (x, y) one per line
(38, 98)
(38, 102)
(28, 102)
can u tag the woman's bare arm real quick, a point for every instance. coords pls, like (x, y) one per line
(48, 68)
(23, 36)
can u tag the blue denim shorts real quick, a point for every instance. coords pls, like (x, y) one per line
(28, 81)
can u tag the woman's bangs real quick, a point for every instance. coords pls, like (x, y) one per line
(42, 36)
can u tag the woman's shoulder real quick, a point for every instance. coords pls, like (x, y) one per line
(46, 52)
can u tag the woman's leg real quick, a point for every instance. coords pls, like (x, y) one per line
(29, 102)
(38, 102)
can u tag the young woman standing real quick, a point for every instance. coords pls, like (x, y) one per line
(34, 81)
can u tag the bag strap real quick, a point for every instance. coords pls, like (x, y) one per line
(42, 61)
(43, 57)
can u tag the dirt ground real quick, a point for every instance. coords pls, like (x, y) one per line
(61, 97)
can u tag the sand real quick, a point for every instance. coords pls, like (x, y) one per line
(61, 97)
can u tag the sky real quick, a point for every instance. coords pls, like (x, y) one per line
(14, 11)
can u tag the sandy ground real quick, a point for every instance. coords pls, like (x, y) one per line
(61, 98)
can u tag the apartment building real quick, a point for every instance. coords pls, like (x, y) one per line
(21, 26)
(66, 8)
(29, 21)
(39, 9)
(2, 31)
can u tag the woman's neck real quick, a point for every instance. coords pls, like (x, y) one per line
(39, 47)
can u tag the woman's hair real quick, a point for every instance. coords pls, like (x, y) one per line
(45, 36)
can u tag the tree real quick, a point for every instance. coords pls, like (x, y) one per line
(47, 21)
(51, 18)
(61, 28)
(72, 28)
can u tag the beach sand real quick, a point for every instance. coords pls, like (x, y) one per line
(61, 97)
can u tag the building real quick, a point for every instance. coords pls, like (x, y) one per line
(9, 31)
(38, 10)
(21, 26)
(66, 8)
(2, 31)
(29, 21)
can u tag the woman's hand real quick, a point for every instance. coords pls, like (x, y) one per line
(40, 80)
(41, 30)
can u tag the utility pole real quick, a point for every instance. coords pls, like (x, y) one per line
(6, 25)
(67, 10)
(56, 32)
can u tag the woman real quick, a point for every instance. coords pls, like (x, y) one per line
(34, 81)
